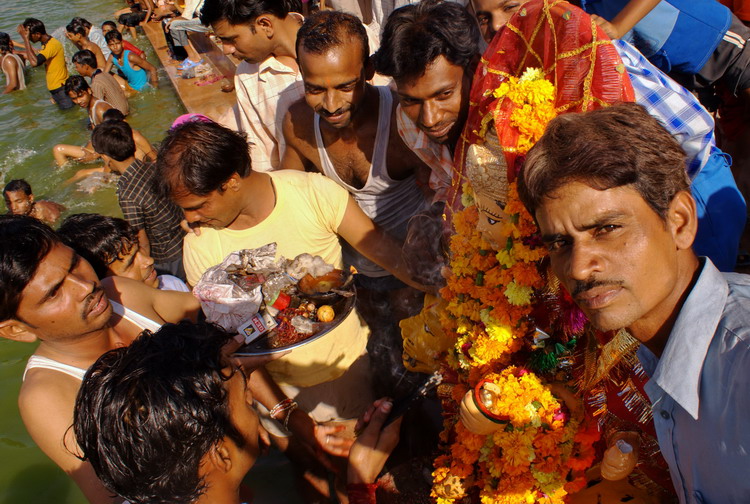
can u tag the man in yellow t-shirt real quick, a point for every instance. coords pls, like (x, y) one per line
(52, 56)
(206, 170)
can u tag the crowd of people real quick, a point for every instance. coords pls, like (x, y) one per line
(530, 193)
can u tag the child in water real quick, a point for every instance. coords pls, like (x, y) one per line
(136, 69)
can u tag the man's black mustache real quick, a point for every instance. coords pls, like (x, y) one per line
(90, 300)
(586, 285)
(331, 114)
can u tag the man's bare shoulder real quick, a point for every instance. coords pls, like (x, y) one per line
(299, 122)
(45, 392)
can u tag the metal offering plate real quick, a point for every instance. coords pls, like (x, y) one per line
(342, 306)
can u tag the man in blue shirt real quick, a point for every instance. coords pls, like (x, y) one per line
(611, 197)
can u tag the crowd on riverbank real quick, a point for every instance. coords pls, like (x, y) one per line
(535, 200)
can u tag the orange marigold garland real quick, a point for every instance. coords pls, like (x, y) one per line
(533, 451)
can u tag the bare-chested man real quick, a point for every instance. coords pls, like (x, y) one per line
(356, 143)
(51, 295)
(78, 35)
(20, 201)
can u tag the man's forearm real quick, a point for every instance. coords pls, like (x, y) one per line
(631, 15)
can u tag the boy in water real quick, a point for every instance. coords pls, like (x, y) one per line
(20, 201)
(108, 26)
(137, 70)
(78, 35)
(80, 93)
(51, 56)
(104, 86)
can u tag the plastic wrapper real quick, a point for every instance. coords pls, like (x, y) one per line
(223, 301)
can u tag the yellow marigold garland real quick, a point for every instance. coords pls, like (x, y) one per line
(490, 297)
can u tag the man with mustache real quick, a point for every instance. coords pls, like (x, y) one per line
(52, 295)
(610, 195)
(345, 129)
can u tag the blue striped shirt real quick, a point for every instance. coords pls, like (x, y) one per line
(674, 106)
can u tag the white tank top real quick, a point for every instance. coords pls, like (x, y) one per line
(389, 203)
(37, 361)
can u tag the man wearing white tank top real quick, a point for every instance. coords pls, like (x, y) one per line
(49, 294)
(356, 143)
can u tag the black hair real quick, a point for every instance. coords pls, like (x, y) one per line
(109, 23)
(76, 84)
(85, 57)
(199, 157)
(17, 185)
(76, 29)
(81, 21)
(114, 139)
(24, 243)
(327, 29)
(415, 35)
(114, 34)
(99, 239)
(113, 115)
(34, 26)
(245, 12)
(146, 415)
(621, 145)
(5, 43)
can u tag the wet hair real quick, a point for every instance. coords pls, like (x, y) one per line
(99, 239)
(245, 12)
(415, 35)
(199, 157)
(24, 243)
(112, 35)
(76, 84)
(109, 23)
(616, 146)
(114, 139)
(76, 29)
(17, 185)
(34, 26)
(325, 30)
(85, 57)
(146, 415)
(5, 43)
(81, 21)
(113, 115)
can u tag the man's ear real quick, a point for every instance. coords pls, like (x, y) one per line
(219, 456)
(682, 218)
(16, 330)
(233, 182)
(31, 198)
(264, 24)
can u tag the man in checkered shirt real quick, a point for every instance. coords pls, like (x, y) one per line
(156, 218)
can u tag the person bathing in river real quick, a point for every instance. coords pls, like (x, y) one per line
(20, 201)
(137, 70)
(80, 93)
(51, 56)
(12, 65)
(108, 26)
(78, 35)
(104, 86)
(50, 295)
(144, 151)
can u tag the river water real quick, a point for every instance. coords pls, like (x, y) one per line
(29, 127)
